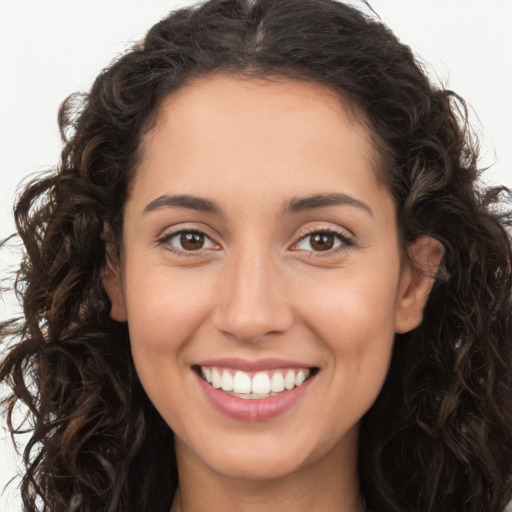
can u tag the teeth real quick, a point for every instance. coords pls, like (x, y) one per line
(216, 378)
(241, 383)
(302, 375)
(254, 396)
(277, 382)
(261, 385)
(289, 380)
(207, 374)
(227, 382)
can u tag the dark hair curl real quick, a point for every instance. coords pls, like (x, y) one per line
(439, 436)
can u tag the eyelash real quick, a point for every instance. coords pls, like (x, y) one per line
(345, 241)
(165, 239)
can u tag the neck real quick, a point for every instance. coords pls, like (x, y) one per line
(329, 485)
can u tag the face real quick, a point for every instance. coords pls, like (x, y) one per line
(261, 276)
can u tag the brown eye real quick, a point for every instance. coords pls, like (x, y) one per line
(185, 241)
(322, 241)
(192, 241)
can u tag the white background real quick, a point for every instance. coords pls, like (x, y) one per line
(51, 48)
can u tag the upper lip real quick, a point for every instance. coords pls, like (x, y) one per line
(247, 365)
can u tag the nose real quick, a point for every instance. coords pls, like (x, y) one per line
(252, 300)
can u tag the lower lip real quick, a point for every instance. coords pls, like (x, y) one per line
(253, 410)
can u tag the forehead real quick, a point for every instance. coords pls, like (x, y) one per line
(200, 95)
(241, 128)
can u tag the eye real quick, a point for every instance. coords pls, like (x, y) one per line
(323, 241)
(187, 241)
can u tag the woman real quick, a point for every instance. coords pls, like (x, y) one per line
(263, 278)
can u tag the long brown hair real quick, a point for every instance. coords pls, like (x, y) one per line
(439, 436)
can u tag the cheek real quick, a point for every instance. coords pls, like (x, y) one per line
(353, 316)
(358, 330)
(164, 313)
(352, 309)
(164, 308)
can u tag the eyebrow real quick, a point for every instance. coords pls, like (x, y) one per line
(294, 205)
(184, 201)
(301, 204)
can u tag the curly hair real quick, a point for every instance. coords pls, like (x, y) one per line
(438, 437)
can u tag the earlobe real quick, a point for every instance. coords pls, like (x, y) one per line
(418, 277)
(112, 281)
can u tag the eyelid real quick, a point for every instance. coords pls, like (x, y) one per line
(344, 235)
(347, 240)
(167, 235)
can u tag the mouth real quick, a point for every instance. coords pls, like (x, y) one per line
(254, 385)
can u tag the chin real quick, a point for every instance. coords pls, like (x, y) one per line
(261, 458)
(258, 468)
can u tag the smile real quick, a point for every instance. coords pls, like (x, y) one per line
(254, 385)
(254, 391)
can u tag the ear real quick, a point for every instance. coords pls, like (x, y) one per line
(418, 277)
(113, 283)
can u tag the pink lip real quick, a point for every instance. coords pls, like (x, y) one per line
(253, 410)
(253, 366)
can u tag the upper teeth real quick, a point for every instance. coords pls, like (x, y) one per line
(259, 383)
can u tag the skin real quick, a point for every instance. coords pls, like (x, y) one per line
(258, 288)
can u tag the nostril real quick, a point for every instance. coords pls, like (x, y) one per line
(248, 312)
